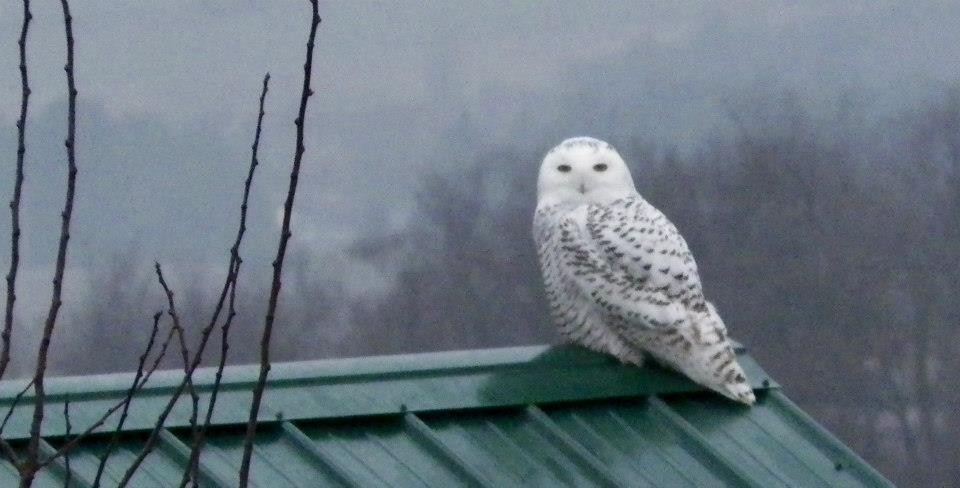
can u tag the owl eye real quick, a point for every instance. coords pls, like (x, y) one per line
(563, 168)
(600, 167)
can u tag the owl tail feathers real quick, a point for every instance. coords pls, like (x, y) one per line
(740, 392)
(730, 381)
(714, 362)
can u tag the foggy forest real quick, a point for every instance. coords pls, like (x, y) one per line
(829, 239)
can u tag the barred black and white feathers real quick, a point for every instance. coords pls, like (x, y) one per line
(619, 277)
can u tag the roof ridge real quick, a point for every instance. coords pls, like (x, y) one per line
(340, 388)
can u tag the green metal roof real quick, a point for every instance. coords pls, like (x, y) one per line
(526, 416)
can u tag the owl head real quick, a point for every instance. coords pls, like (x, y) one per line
(583, 170)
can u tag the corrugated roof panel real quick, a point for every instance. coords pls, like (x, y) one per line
(318, 458)
(510, 417)
(488, 449)
(630, 441)
(385, 448)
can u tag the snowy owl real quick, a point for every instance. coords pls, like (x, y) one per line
(619, 277)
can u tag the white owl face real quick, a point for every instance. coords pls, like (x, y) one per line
(583, 170)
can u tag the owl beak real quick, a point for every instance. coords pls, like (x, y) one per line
(583, 188)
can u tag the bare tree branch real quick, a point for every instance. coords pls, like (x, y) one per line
(188, 365)
(66, 456)
(160, 355)
(281, 252)
(151, 441)
(115, 438)
(17, 188)
(231, 283)
(66, 447)
(184, 384)
(228, 289)
(140, 379)
(13, 405)
(32, 465)
(29, 470)
(138, 383)
(5, 446)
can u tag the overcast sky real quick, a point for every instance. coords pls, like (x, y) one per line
(168, 93)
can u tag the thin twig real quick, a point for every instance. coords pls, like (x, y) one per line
(231, 282)
(153, 437)
(27, 475)
(115, 438)
(13, 405)
(188, 367)
(160, 355)
(151, 441)
(17, 187)
(7, 449)
(68, 477)
(110, 411)
(281, 252)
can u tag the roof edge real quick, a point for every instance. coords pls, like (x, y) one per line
(292, 370)
(343, 388)
(332, 368)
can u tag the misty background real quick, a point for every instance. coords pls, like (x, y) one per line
(809, 153)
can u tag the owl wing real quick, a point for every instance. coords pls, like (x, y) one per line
(637, 238)
(637, 270)
(632, 263)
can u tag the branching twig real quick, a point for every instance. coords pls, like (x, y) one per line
(115, 438)
(231, 283)
(66, 447)
(17, 187)
(281, 252)
(188, 366)
(153, 437)
(124, 403)
(172, 401)
(29, 470)
(32, 465)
